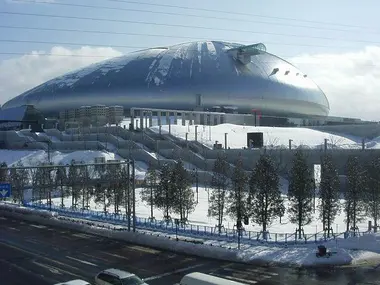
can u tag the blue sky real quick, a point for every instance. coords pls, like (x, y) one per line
(337, 43)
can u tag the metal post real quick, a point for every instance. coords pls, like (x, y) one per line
(290, 144)
(129, 196)
(225, 140)
(314, 206)
(196, 183)
(48, 143)
(196, 133)
(133, 196)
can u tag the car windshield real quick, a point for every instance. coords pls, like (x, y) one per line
(132, 280)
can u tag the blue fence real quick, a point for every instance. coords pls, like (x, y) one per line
(187, 230)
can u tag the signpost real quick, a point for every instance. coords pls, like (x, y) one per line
(5, 190)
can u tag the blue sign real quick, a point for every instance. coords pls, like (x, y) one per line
(5, 190)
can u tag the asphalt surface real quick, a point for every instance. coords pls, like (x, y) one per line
(36, 254)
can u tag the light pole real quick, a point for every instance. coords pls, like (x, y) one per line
(133, 196)
(129, 196)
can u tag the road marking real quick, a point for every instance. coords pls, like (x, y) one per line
(39, 255)
(52, 269)
(172, 272)
(244, 281)
(144, 249)
(56, 270)
(38, 226)
(115, 255)
(262, 273)
(3, 218)
(29, 272)
(257, 270)
(82, 261)
(32, 241)
(13, 229)
(82, 235)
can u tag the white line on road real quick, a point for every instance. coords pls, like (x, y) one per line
(38, 226)
(244, 281)
(3, 218)
(56, 270)
(13, 229)
(172, 272)
(82, 261)
(262, 273)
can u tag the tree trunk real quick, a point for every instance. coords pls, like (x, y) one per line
(151, 201)
(354, 214)
(62, 194)
(299, 220)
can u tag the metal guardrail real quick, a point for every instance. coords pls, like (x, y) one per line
(191, 230)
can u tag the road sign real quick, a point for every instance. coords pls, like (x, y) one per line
(5, 190)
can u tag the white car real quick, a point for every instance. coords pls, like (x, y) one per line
(114, 276)
(74, 282)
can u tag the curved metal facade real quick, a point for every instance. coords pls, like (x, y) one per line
(171, 78)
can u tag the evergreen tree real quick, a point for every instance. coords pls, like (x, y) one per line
(353, 194)
(265, 201)
(3, 172)
(184, 202)
(372, 191)
(300, 192)
(237, 200)
(149, 190)
(219, 183)
(329, 193)
(165, 193)
(19, 180)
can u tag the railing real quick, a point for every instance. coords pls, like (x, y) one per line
(194, 231)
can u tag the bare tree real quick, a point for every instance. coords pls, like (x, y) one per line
(60, 181)
(149, 190)
(220, 183)
(19, 179)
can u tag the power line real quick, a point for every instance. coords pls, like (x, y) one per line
(237, 13)
(135, 34)
(98, 45)
(182, 14)
(176, 25)
(108, 56)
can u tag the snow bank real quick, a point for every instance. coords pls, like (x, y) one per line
(295, 256)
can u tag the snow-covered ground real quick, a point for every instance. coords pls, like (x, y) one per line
(345, 252)
(200, 217)
(35, 157)
(273, 136)
(236, 139)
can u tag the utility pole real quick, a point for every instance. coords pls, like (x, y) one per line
(134, 195)
(129, 196)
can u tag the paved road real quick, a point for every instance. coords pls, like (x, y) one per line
(36, 254)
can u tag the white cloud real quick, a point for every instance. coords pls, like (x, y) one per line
(350, 80)
(22, 73)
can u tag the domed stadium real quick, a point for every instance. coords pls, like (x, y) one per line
(189, 76)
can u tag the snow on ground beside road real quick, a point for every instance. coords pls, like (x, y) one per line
(199, 216)
(299, 255)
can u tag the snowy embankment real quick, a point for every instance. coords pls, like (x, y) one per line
(261, 253)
